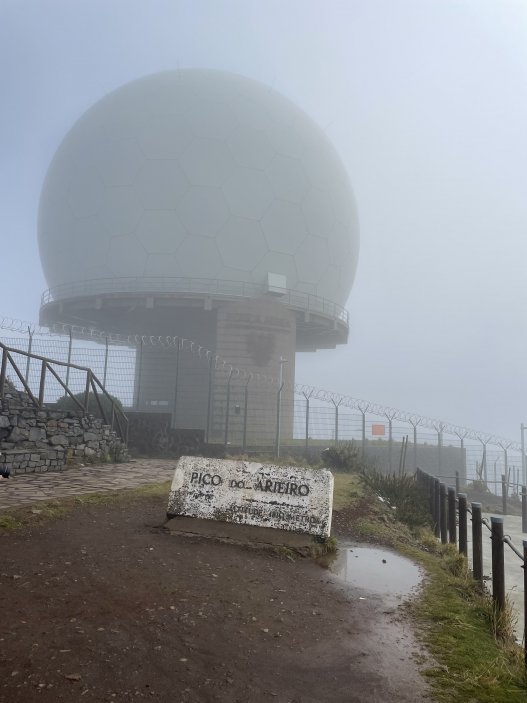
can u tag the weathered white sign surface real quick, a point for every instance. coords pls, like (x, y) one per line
(265, 495)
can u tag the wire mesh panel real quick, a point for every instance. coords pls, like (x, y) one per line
(187, 383)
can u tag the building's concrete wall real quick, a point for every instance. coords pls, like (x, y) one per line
(255, 335)
(252, 335)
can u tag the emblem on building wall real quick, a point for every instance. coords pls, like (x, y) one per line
(260, 345)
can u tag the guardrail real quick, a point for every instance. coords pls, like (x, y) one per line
(194, 286)
(449, 511)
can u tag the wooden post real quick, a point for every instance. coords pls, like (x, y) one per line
(498, 563)
(3, 370)
(452, 530)
(87, 392)
(437, 508)
(42, 386)
(525, 598)
(477, 543)
(463, 546)
(443, 513)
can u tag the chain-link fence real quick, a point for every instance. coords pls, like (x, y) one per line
(249, 412)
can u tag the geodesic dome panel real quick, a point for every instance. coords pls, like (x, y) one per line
(199, 174)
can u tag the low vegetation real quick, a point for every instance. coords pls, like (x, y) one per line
(68, 404)
(476, 657)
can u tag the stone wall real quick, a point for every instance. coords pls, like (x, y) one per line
(36, 440)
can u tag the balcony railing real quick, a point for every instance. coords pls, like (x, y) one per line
(190, 287)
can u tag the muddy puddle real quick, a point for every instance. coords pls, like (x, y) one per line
(377, 572)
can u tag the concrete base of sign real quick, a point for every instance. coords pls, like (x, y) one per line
(249, 493)
(245, 535)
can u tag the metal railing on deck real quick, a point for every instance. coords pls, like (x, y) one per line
(184, 285)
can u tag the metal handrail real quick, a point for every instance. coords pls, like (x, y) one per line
(194, 286)
(47, 365)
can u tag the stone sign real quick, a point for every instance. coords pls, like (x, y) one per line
(249, 493)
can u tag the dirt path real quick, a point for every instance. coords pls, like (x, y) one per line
(101, 606)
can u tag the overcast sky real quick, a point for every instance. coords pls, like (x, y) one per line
(426, 102)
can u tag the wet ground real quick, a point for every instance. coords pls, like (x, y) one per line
(379, 573)
(104, 606)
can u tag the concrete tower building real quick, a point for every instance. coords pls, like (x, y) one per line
(205, 205)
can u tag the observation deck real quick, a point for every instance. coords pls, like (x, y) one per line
(118, 304)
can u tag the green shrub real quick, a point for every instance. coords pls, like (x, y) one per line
(344, 457)
(67, 404)
(402, 493)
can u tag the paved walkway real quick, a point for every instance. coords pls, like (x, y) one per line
(31, 488)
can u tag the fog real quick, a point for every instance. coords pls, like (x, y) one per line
(426, 103)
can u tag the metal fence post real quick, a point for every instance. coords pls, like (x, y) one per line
(498, 563)
(209, 400)
(390, 443)
(278, 420)
(439, 454)
(414, 425)
(463, 542)
(139, 373)
(524, 473)
(363, 438)
(504, 491)
(176, 388)
(524, 510)
(477, 543)
(437, 507)
(442, 513)
(69, 362)
(452, 530)
(336, 419)
(307, 397)
(105, 371)
(484, 475)
(244, 441)
(457, 482)
(228, 403)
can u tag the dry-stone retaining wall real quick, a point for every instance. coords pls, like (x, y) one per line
(36, 440)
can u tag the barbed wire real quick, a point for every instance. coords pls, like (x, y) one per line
(307, 391)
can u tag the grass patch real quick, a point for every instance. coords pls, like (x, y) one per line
(347, 489)
(458, 624)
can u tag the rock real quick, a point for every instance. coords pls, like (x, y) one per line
(36, 434)
(58, 439)
(18, 435)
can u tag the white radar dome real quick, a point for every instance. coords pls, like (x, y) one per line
(199, 174)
